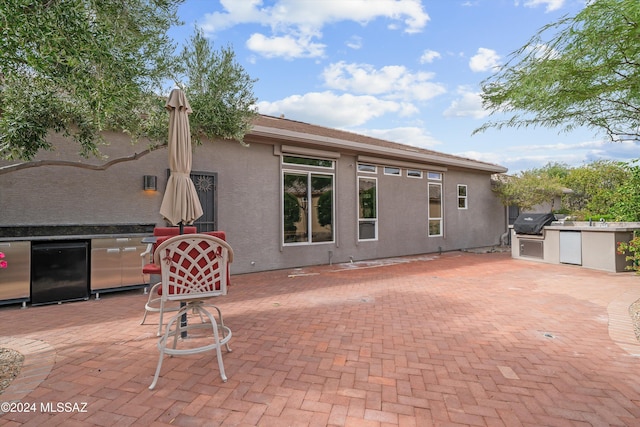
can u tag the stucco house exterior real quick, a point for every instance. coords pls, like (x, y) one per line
(296, 195)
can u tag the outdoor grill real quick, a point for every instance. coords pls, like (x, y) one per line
(532, 223)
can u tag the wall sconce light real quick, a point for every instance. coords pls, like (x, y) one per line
(150, 183)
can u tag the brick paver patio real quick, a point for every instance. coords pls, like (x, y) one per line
(457, 339)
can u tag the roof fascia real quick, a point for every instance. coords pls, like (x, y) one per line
(359, 147)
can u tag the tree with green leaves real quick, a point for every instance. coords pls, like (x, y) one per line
(81, 67)
(580, 71)
(594, 187)
(530, 188)
(626, 206)
(601, 189)
(219, 90)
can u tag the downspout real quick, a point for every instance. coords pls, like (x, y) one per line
(444, 217)
(277, 151)
(504, 237)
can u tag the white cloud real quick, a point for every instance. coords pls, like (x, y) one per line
(469, 104)
(519, 158)
(236, 12)
(428, 56)
(331, 110)
(540, 51)
(285, 47)
(562, 146)
(304, 20)
(415, 136)
(551, 4)
(484, 60)
(392, 81)
(591, 150)
(354, 42)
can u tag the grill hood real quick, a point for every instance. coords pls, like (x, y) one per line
(532, 223)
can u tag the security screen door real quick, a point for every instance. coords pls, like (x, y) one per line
(206, 184)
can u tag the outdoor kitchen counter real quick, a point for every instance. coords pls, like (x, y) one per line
(100, 257)
(577, 243)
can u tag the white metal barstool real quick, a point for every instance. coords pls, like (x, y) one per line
(194, 269)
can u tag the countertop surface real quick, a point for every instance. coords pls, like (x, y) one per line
(73, 232)
(137, 237)
(602, 227)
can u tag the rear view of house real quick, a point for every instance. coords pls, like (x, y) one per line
(297, 195)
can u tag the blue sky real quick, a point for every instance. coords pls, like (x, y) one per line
(403, 70)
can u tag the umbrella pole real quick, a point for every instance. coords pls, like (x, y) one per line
(183, 322)
(183, 319)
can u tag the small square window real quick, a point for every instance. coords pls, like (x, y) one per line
(437, 176)
(362, 167)
(414, 173)
(388, 170)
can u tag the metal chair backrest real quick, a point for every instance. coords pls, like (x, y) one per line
(193, 266)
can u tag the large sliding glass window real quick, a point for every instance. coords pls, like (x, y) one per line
(435, 209)
(308, 204)
(367, 209)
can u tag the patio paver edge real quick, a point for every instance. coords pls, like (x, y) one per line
(39, 358)
(621, 328)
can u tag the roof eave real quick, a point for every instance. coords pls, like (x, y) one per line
(359, 147)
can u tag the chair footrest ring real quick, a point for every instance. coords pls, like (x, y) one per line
(224, 330)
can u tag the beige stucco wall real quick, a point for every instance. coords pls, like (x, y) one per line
(248, 203)
(599, 250)
(59, 195)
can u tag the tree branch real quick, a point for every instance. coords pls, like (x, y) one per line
(28, 165)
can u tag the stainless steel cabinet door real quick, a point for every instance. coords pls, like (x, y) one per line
(15, 280)
(105, 264)
(571, 247)
(131, 262)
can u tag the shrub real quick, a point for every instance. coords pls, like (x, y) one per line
(632, 251)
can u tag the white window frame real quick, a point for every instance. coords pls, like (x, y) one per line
(309, 170)
(464, 198)
(365, 168)
(436, 176)
(414, 173)
(362, 220)
(391, 171)
(299, 165)
(430, 218)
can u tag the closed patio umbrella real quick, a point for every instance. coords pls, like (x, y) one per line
(180, 204)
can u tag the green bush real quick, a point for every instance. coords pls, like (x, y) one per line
(632, 251)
